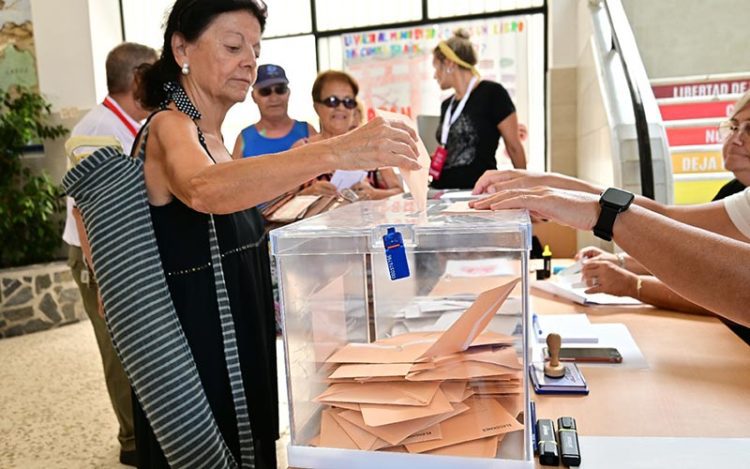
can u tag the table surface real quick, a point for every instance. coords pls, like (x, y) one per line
(697, 383)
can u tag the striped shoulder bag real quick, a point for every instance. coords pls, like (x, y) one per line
(110, 192)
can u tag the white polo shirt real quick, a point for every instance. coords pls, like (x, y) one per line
(738, 208)
(99, 121)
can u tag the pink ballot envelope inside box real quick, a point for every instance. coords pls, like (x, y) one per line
(453, 392)
(463, 332)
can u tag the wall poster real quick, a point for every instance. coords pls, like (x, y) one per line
(17, 55)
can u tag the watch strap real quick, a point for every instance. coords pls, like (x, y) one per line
(603, 227)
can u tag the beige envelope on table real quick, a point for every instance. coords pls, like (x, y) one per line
(379, 353)
(485, 418)
(472, 322)
(393, 393)
(481, 448)
(383, 414)
(416, 180)
(395, 433)
(371, 370)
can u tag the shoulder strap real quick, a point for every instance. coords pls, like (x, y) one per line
(139, 144)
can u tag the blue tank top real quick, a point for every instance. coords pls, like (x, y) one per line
(255, 144)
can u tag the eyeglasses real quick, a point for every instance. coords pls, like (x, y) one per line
(728, 129)
(334, 101)
(278, 89)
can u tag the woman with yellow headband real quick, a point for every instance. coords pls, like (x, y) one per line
(472, 120)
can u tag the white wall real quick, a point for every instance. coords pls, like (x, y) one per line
(106, 33)
(63, 52)
(690, 37)
(72, 39)
(563, 22)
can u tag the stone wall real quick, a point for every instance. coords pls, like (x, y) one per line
(38, 297)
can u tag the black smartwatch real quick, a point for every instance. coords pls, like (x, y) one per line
(613, 201)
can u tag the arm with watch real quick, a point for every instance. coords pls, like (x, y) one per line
(706, 268)
(710, 216)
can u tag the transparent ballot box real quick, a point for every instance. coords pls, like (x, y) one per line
(422, 371)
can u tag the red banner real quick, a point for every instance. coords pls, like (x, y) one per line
(704, 88)
(704, 110)
(699, 135)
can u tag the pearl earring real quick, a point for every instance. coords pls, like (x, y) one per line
(185, 68)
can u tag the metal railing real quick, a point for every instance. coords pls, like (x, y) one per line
(641, 123)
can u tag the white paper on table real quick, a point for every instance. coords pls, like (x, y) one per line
(571, 288)
(461, 195)
(610, 335)
(344, 179)
(415, 180)
(573, 328)
(619, 337)
(462, 206)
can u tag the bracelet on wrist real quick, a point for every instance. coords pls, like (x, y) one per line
(638, 285)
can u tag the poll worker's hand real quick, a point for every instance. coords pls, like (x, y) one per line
(319, 188)
(494, 180)
(592, 252)
(605, 277)
(579, 210)
(377, 144)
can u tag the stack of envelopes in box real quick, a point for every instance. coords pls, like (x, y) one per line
(457, 392)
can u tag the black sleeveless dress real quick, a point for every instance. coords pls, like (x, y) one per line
(182, 238)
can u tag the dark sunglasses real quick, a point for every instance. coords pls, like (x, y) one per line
(278, 89)
(334, 101)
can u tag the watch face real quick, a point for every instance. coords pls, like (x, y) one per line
(617, 197)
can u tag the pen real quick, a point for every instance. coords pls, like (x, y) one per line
(535, 325)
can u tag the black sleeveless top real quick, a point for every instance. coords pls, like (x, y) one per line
(183, 241)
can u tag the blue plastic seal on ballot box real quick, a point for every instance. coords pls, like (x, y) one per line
(395, 254)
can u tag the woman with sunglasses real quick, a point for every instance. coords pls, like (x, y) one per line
(275, 131)
(334, 96)
(472, 120)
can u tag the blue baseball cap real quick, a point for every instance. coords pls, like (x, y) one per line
(268, 75)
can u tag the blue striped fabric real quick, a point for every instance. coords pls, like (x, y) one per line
(110, 191)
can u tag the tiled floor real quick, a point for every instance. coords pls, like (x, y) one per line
(54, 410)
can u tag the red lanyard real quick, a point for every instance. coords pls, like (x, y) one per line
(125, 121)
